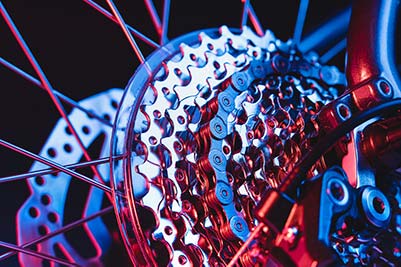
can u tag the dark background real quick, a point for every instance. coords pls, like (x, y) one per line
(83, 53)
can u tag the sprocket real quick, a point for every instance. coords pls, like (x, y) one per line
(210, 125)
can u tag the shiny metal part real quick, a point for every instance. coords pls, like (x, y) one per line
(218, 122)
(48, 208)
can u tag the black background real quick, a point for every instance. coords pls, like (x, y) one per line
(83, 53)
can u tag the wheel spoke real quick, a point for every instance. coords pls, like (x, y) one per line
(55, 165)
(155, 17)
(127, 33)
(63, 97)
(36, 254)
(327, 33)
(255, 21)
(46, 84)
(114, 19)
(22, 176)
(61, 230)
(166, 18)
(299, 25)
(332, 52)
(245, 11)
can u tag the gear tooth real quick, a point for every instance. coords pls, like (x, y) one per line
(202, 36)
(246, 30)
(184, 48)
(268, 37)
(270, 34)
(224, 30)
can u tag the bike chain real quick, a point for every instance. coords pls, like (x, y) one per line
(221, 122)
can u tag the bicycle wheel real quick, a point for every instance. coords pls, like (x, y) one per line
(76, 56)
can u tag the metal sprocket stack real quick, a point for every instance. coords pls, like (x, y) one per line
(208, 128)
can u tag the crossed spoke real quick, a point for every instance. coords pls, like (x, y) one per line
(248, 10)
(74, 166)
(62, 97)
(54, 165)
(46, 84)
(59, 231)
(161, 25)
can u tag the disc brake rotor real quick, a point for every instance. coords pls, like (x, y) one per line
(210, 122)
(56, 199)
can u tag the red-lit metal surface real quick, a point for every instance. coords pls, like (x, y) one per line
(230, 146)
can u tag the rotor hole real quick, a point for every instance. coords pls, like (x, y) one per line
(85, 129)
(68, 131)
(255, 53)
(192, 56)
(379, 205)
(39, 180)
(43, 230)
(33, 212)
(67, 148)
(45, 200)
(51, 152)
(114, 104)
(210, 46)
(52, 217)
